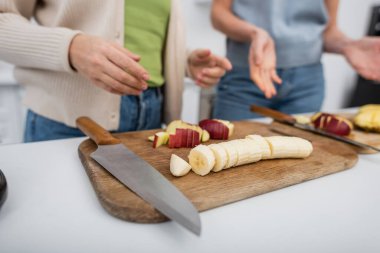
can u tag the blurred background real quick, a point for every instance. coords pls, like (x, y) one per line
(356, 18)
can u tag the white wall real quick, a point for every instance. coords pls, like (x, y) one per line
(340, 78)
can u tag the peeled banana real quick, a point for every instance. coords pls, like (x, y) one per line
(201, 159)
(289, 147)
(178, 166)
(232, 154)
(262, 143)
(221, 157)
(253, 148)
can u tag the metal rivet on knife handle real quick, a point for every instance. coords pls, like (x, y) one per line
(97, 133)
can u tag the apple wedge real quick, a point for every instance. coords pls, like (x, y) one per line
(332, 123)
(160, 139)
(184, 138)
(178, 166)
(179, 124)
(228, 124)
(218, 129)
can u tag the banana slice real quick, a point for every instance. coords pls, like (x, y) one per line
(231, 153)
(178, 166)
(221, 157)
(254, 150)
(262, 143)
(289, 147)
(201, 159)
(242, 151)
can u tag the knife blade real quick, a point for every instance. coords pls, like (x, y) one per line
(290, 120)
(140, 176)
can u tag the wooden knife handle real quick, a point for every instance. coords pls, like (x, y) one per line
(97, 133)
(279, 116)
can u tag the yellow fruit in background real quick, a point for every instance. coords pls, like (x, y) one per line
(368, 119)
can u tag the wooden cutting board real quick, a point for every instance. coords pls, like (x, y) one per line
(214, 189)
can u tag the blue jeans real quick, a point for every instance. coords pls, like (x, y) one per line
(302, 90)
(136, 113)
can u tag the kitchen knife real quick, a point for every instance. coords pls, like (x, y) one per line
(290, 120)
(140, 176)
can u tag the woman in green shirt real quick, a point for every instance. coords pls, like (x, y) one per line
(143, 67)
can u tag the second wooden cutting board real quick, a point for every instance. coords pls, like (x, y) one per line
(214, 189)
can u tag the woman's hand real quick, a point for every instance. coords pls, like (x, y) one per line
(364, 57)
(206, 68)
(262, 62)
(108, 65)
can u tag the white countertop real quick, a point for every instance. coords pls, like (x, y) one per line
(52, 207)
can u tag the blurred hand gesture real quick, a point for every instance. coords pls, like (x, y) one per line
(262, 63)
(364, 57)
(206, 68)
(108, 65)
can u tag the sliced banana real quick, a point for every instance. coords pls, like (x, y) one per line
(262, 143)
(201, 159)
(254, 150)
(232, 154)
(289, 147)
(178, 166)
(242, 151)
(221, 157)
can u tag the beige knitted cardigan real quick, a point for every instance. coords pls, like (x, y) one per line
(40, 53)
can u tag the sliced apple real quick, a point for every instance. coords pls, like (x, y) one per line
(217, 130)
(332, 123)
(189, 138)
(171, 128)
(160, 138)
(184, 138)
(172, 141)
(228, 124)
(205, 136)
(196, 139)
(151, 138)
(178, 166)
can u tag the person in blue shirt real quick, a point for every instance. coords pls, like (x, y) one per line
(275, 47)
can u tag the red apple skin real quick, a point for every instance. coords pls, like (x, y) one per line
(332, 124)
(216, 129)
(172, 141)
(181, 141)
(189, 138)
(196, 138)
(184, 138)
(155, 141)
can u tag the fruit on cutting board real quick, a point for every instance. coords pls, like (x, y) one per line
(201, 159)
(184, 138)
(332, 123)
(368, 118)
(218, 129)
(232, 154)
(224, 155)
(160, 138)
(262, 143)
(178, 166)
(286, 146)
(175, 124)
(221, 158)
